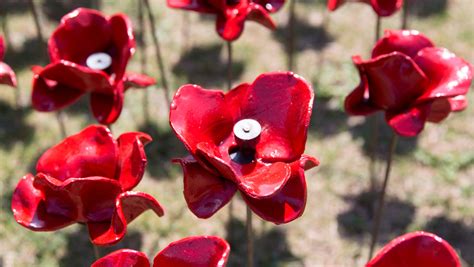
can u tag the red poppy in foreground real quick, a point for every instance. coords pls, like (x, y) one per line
(7, 76)
(87, 179)
(383, 8)
(416, 249)
(196, 251)
(411, 80)
(250, 139)
(89, 53)
(231, 14)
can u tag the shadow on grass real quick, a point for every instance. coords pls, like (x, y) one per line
(427, 8)
(80, 107)
(357, 220)
(80, 252)
(13, 126)
(205, 66)
(307, 36)
(327, 119)
(271, 247)
(456, 233)
(32, 52)
(55, 10)
(164, 147)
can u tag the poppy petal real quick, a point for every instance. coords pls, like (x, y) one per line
(357, 102)
(271, 5)
(449, 75)
(407, 42)
(196, 251)
(259, 14)
(131, 158)
(395, 81)
(458, 103)
(285, 206)
(30, 211)
(128, 206)
(136, 80)
(7, 75)
(195, 5)
(211, 122)
(439, 110)
(123, 258)
(230, 26)
(416, 249)
(334, 4)
(308, 162)
(107, 107)
(409, 123)
(124, 43)
(92, 152)
(205, 193)
(385, 8)
(2, 48)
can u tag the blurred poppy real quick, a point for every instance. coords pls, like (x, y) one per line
(196, 251)
(87, 179)
(416, 249)
(89, 53)
(7, 76)
(231, 14)
(383, 8)
(250, 139)
(411, 80)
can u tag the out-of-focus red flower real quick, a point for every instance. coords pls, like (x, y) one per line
(411, 80)
(7, 76)
(418, 249)
(383, 8)
(250, 139)
(87, 179)
(196, 251)
(89, 53)
(232, 14)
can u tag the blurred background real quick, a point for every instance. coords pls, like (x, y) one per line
(432, 182)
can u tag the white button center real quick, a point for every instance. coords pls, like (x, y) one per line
(99, 61)
(247, 129)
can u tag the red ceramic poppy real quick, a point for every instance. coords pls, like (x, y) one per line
(411, 80)
(197, 251)
(383, 8)
(89, 53)
(7, 76)
(250, 139)
(418, 249)
(231, 14)
(87, 179)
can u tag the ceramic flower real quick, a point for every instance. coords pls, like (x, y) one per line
(383, 8)
(251, 140)
(7, 76)
(87, 179)
(196, 251)
(232, 14)
(416, 249)
(411, 80)
(89, 53)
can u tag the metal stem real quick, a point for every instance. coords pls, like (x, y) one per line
(34, 12)
(96, 252)
(143, 58)
(381, 200)
(405, 12)
(378, 26)
(291, 35)
(62, 125)
(229, 65)
(250, 239)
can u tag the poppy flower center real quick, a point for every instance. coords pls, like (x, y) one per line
(247, 129)
(246, 132)
(232, 2)
(99, 61)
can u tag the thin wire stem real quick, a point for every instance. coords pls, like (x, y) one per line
(61, 123)
(229, 65)
(186, 30)
(378, 26)
(141, 41)
(34, 12)
(405, 11)
(159, 58)
(291, 35)
(96, 251)
(381, 199)
(250, 239)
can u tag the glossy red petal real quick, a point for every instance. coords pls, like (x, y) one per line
(205, 193)
(7, 75)
(197, 251)
(285, 206)
(30, 210)
(81, 33)
(408, 42)
(439, 110)
(124, 44)
(395, 81)
(128, 206)
(385, 8)
(136, 80)
(259, 14)
(416, 249)
(88, 199)
(271, 5)
(107, 107)
(458, 103)
(195, 5)
(409, 123)
(308, 162)
(123, 258)
(199, 115)
(334, 4)
(449, 75)
(132, 159)
(48, 95)
(92, 152)
(282, 103)
(231, 26)
(2, 48)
